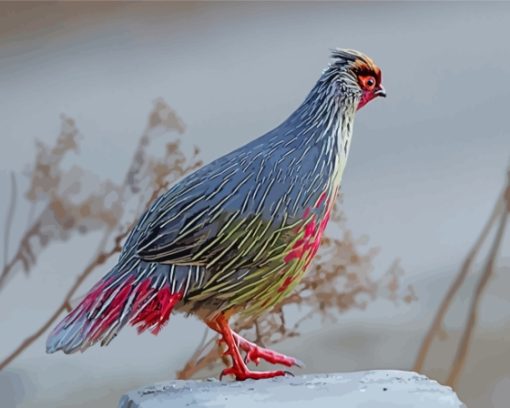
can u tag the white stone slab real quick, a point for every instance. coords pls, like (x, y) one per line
(366, 389)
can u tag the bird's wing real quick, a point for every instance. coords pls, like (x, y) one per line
(211, 215)
(184, 225)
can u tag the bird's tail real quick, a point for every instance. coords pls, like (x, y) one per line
(143, 295)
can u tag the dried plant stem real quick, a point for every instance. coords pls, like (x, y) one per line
(29, 340)
(19, 256)
(123, 187)
(202, 343)
(47, 176)
(437, 323)
(100, 259)
(460, 357)
(10, 217)
(197, 363)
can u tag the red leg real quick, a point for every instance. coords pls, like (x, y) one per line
(255, 353)
(239, 368)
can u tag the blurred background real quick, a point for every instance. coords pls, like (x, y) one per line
(424, 174)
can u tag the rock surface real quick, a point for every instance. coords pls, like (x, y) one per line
(367, 389)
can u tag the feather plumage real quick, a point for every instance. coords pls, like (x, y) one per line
(238, 233)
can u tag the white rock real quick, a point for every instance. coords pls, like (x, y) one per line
(366, 389)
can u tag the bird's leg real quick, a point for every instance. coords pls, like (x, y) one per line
(255, 353)
(239, 368)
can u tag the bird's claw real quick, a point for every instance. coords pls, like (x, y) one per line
(250, 359)
(241, 374)
(254, 353)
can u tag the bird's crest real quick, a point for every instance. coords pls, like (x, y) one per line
(357, 61)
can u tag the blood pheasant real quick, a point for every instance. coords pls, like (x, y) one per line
(236, 235)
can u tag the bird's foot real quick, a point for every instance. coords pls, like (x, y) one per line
(254, 353)
(243, 373)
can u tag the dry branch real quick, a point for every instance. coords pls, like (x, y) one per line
(437, 323)
(500, 212)
(461, 355)
(9, 218)
(100, 259)
(146, 178)
(70, 206)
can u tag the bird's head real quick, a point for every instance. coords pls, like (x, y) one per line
(358, 75)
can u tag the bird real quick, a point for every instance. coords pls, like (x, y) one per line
(235, 236)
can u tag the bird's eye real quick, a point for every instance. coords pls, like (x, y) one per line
(367, 82)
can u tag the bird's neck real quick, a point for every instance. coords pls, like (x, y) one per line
(326, 114)
(325, 119)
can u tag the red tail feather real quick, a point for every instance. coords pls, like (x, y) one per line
(157, 312)
(106, 309)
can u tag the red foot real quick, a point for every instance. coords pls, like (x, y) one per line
(242, 373)
(255, 353)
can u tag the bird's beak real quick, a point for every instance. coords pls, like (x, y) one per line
(380, 92)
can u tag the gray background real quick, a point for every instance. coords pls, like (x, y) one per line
(425, 169)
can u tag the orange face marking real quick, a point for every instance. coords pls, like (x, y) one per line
(369, 79)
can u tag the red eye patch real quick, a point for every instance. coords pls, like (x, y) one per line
(367, 82)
